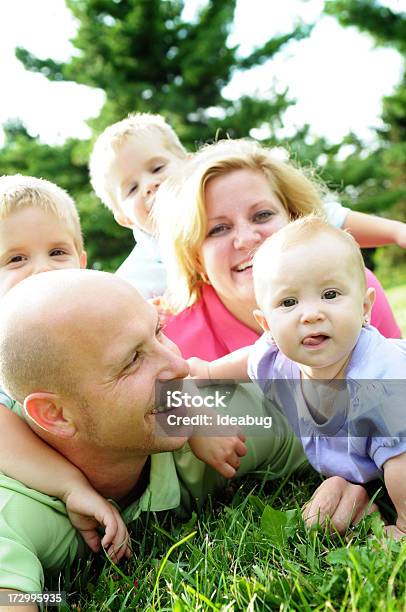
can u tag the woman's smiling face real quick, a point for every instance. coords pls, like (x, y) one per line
(242, 211)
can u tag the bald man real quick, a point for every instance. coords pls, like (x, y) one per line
(83, 351)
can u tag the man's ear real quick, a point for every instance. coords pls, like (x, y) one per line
(260, 319)
(46, 410)
(123, 219)
(83, 259)
(369, 300)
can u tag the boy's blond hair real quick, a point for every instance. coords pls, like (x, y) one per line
(18, 192)
(180, 212)
(299, 232)
(109, 142)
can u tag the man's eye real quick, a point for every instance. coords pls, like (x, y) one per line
(330, 294)
(217, 229)
(289, 302)
(158, 330)
(262, 216)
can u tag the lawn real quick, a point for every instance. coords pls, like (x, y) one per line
(250, 551)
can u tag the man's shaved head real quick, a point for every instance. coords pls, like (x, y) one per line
(43, 323)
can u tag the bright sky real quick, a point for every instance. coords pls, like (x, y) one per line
(336, 76)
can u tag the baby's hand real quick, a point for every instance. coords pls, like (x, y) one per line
(87, 511)
(393, 532)
(221, 453)
(198, 368)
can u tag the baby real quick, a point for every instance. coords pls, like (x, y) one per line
(337, 380)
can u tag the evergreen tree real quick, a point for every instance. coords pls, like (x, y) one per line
(380, 177)
(146, 57)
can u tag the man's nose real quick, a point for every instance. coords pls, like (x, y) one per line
(246, 236)
(172, 363)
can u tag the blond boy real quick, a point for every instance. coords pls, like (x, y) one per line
(40, 231)
(129, 161)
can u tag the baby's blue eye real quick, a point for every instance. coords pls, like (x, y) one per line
(289, 302)
(331, 294)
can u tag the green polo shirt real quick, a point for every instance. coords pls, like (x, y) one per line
(36, 535)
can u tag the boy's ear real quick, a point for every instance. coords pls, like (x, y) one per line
(123, 220)
(46, 411)
(83, 259)
(369, 300)
(260, 319)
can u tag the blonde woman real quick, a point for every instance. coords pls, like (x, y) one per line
(231, 196)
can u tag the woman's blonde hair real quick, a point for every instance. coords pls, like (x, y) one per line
(180, 211)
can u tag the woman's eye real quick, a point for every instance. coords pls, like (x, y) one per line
(331, 294)
(217, 229)
(263, 215)
(289, 302)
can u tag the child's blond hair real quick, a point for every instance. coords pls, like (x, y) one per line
(109, 142)
(180, 212)
(18, 192)
(299, 232)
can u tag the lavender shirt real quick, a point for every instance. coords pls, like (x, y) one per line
(368, 422)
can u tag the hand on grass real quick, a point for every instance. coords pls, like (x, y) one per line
(338, 503)
(88, 511)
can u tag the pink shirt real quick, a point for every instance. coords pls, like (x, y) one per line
(209, 331)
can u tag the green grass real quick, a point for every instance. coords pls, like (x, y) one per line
(249, 553)
(242, 555)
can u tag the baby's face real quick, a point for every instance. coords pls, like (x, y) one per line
(315, 305)
(33, 241)
(140, 166)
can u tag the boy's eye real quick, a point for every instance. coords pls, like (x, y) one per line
(330, 294)
(57, 252)
(17, 259)
(288, 302)
(158, 168)
(133, 189)
(263, 216)
(218, 229)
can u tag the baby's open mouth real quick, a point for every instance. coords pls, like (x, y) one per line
(315, 339)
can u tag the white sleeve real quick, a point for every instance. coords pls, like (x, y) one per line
(336, 213)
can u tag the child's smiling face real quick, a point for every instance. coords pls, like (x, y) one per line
(32, 241)
(140, 165)
(315, 304)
